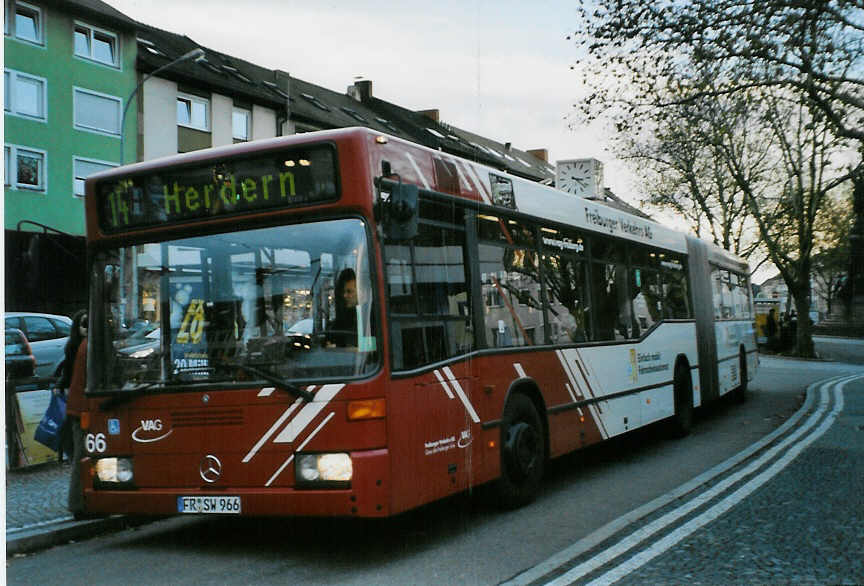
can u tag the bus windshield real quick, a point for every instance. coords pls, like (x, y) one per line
(290, 302)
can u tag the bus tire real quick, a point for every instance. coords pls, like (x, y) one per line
(682, 421)
(523, 453)
(740, 393)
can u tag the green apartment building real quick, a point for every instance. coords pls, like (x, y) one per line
(68, 68)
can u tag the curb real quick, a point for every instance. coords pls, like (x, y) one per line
(30, 540)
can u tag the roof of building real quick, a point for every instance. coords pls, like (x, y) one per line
(97, 10)
(320, 107)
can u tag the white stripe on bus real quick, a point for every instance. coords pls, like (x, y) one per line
(300, 448)
(484, 191)
(594, 408)
(272, 430)
(266, 392)
(570, 390)
(417, 170)
(311, 410)
(571, 375)
(519, 370)
(463, 180)
(444, 384)
(462, 397)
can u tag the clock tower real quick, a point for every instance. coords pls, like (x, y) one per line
(582, 177)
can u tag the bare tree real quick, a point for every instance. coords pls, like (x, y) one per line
(831, 253)
(777, 85)
(811, 48)
(681, 168)
(786, 203)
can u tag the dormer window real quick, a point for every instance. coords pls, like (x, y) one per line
(151, 47)
(314, 100)
(276, 89)
(233, 71)
(354, 114)
(386, 123)
(96, 44)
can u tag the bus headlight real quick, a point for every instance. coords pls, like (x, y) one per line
(323, 468)
(114, 470)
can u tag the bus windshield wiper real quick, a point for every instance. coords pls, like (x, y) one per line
(124, 396)
(275, 380)
(130, 391)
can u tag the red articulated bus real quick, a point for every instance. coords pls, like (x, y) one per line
(345, 323)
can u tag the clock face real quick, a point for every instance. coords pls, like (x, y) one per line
(575, 177)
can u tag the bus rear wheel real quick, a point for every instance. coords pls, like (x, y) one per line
(682, 421)
(523, 453)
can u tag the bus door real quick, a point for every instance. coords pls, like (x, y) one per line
(431, 335)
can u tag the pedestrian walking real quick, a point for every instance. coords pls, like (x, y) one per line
(75, 405)
(62, 385)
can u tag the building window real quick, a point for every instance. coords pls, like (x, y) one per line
(95, 112)
(241, 124)
(24, 168)
(193, 112)
(96, 44)
(83, 168)
(24, 94)
(26, 23)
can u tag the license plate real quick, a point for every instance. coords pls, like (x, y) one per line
(219, 505)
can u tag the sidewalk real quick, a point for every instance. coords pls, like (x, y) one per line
(36, 514)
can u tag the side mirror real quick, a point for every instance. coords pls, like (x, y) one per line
(400, 212)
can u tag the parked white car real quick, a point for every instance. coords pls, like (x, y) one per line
(47, 334)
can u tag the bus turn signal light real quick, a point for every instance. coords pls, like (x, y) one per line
(366, 409)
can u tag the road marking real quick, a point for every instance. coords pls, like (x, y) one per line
(727, 503)
(610, 529)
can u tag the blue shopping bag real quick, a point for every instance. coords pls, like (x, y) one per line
(48, 431)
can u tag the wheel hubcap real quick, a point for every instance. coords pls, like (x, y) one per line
(522, 448)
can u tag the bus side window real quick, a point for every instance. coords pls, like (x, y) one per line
(676, 304)
(609, 296)
(511, 294)
(567, 299)
(647, 297)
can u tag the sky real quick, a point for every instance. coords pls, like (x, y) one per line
(501, 69)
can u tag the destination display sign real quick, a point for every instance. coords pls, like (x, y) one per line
(286, 179)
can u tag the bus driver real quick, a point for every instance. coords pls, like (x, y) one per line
(342, 330)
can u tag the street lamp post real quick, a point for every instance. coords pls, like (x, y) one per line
(196, 54)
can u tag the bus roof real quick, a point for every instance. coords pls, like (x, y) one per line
(415, 164)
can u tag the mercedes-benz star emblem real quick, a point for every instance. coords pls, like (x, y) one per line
(210, 468)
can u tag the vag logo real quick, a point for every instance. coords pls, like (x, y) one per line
(151, 424)
(149, 431)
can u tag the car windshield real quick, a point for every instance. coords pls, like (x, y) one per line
(294, 302)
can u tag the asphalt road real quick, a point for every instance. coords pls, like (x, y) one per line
(458, 541)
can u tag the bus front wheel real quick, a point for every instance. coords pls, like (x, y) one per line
(523, 453)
